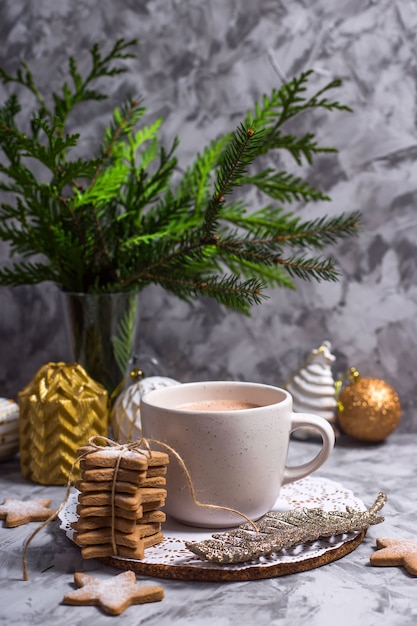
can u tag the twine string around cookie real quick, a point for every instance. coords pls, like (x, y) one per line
(113, 505)
(143, 446)
(190, 485)
(139, 446)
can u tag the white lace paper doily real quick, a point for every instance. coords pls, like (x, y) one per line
(311, 492)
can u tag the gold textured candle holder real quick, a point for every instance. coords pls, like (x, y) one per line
(60, 409)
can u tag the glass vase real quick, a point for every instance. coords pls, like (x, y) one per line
(102, 331)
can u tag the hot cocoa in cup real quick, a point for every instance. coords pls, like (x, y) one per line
(233, 438)
(217, 405)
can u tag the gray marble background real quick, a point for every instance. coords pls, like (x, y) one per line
(201, 65)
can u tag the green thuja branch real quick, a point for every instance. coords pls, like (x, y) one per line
(128, 216)
(80, 90)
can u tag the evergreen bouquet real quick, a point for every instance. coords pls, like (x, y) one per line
(126, 217)
(104, 226)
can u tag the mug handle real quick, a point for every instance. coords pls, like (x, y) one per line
(324, 428)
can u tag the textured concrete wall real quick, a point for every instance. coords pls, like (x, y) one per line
(200, 65)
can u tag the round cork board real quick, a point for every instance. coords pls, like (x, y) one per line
(171, 558)
(223, 573)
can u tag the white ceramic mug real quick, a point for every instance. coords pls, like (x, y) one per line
(236, 457)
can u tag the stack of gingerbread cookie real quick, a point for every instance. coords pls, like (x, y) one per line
(121, 493)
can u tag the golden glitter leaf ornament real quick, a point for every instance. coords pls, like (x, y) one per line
(277, 531)
(368, 408)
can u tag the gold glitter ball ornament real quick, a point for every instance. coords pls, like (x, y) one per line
(368, 409)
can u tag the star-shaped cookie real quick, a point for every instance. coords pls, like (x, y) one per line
(396, 552)
(113, 595)
(18, 512)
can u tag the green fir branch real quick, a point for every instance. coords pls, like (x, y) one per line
(238, 155)
(271, 276)
(309, 268)
(228, 290)
(283, 186)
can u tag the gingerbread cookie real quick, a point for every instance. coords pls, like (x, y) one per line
(98, 551)
(152, 505)
(396, 552)
(105, 511)
(110, 456)
(92, 523)
(106, 485)
(130, 459)
(97, 536)
(134, 477)
(18, 512)
(156, 460)
(154, 481)
(124, 501)
(157, 470)
(153, 516)
(114, 595)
